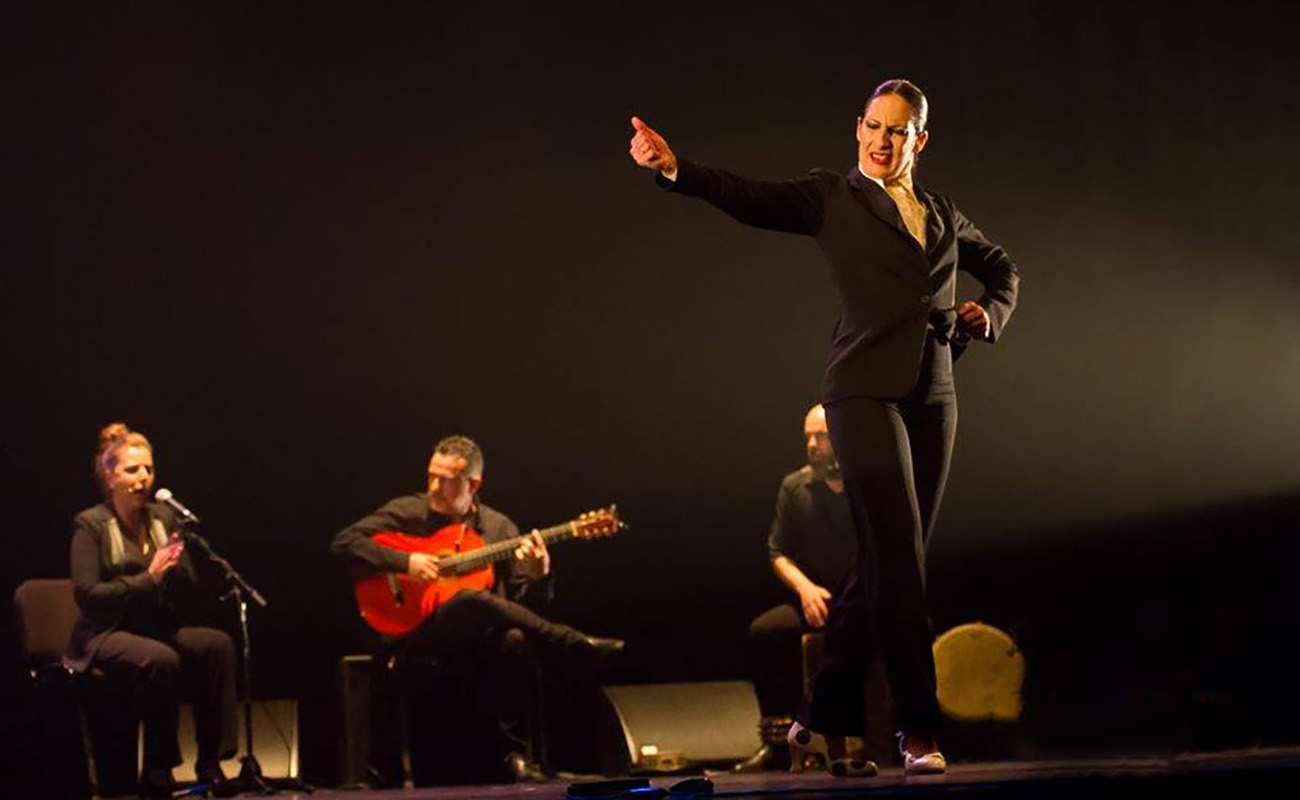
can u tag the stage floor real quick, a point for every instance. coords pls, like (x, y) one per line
(1228, 774)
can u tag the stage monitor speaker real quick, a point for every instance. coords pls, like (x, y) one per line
(275, 740)
(669, 727)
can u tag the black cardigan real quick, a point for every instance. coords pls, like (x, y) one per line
(120, 596)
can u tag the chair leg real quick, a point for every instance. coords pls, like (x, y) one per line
(92, 772)
(408, 771)
(113, 748)
(539, 746)
(403, 723)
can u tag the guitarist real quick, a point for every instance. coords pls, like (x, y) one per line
(493, 627)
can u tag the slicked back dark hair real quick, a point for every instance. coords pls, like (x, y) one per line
(464, 447)
(908, 91)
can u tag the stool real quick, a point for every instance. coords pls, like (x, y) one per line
(364, 680)
(811, 646)
(381, 690)
(354, 712)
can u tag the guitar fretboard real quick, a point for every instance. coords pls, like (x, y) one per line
(469, 561)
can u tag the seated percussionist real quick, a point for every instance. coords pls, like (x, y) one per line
(495, 625)
(811, 544)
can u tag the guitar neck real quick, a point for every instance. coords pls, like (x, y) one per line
(499, 551)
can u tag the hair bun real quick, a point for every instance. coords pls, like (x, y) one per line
(112, 433)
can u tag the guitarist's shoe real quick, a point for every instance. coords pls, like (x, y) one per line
(157, 782)
(523, 770)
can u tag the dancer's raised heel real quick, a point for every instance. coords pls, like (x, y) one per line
(807, 747)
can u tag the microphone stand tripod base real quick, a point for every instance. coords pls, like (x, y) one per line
(251, 780)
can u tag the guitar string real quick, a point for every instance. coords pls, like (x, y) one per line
(481, 557)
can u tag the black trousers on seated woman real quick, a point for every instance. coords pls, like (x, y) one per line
(188, 664)
(133, 628)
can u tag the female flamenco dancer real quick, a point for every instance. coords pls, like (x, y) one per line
(894, 250)
(130, 572)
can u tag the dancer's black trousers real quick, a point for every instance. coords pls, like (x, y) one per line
(894, 455)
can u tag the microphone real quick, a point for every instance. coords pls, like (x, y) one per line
(165, 496)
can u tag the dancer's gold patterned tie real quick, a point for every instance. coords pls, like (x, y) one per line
(910, 208)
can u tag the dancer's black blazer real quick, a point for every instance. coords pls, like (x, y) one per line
(890, 290)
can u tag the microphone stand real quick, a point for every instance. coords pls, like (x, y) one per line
(250, 771)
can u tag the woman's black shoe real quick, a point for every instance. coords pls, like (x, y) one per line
(215, 777)
(522, 769)
(157, 783)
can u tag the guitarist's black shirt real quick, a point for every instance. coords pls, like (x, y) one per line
(411, 514)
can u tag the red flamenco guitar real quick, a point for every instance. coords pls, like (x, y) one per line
(395, 604)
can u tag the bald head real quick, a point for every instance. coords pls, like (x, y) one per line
(817, 441)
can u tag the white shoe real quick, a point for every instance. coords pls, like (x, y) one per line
(931, 763)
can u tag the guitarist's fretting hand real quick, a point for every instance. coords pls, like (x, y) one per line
(423, 567)
(533, 557)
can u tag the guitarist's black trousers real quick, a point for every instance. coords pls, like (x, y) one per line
(472, 621)
(491, 648)
(894, 456)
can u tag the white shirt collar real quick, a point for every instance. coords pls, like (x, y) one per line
(876, 181)
(906, 184)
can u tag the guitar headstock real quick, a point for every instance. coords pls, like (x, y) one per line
(594, 524)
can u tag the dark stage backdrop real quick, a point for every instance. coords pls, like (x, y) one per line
(297, 243)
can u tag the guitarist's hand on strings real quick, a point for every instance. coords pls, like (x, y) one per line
(423, 566)
(533, 557)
